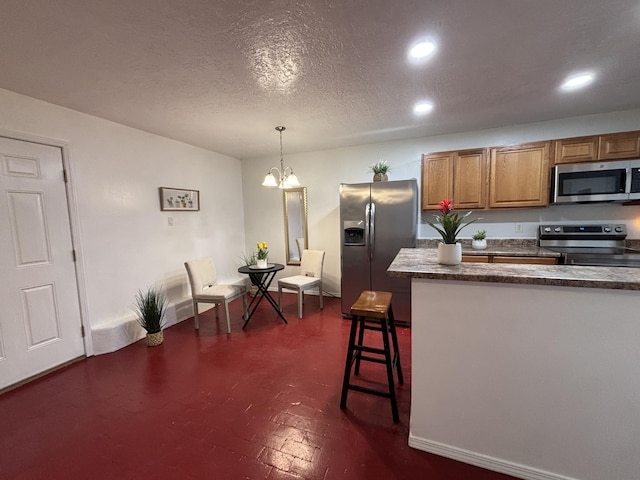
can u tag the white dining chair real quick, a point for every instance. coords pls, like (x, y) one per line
(300, 244)
(310, 276)
(205, 288)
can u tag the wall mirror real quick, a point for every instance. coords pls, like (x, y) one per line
(295, 223)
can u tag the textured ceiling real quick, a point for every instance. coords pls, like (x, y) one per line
(221, 74)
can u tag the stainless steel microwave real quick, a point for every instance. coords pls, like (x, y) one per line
(617, 181)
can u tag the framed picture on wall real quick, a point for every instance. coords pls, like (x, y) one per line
(175, 199)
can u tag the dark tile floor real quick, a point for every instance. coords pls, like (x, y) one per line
(256, 404)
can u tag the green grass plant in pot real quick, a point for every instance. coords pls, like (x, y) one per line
(150, 308)
(250, 259)
(380, 169)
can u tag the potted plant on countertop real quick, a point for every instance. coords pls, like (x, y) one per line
(380, 169)
(450, 251)
(479, 241)
(150, 309)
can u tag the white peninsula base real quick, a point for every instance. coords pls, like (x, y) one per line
(534, 381)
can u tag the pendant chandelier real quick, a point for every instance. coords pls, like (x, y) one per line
(286, 177)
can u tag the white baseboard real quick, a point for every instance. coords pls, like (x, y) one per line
(117, 333)
(479, 460)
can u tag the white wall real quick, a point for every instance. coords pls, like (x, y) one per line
(322, 172)
(126, 243)
(535, 381)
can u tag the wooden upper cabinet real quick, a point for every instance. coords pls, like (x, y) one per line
(470, 179)
(619, 146)
(519, 176)
(460, 176)
(574, 150)
(437, 179)
(516, 176)
(614, 146)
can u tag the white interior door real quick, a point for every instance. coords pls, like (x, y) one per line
(40, 326)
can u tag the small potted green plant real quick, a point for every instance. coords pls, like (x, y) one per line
(380, 169)
(250, 260)
(479, 241)
(150, 308)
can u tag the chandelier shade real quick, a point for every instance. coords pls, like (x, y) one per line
(285, 176)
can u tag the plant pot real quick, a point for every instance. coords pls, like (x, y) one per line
(380, 177)
(449, 253)
(155, 339)
(262, 263)
(479, 244)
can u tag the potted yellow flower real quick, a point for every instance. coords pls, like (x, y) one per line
(450, 251)
(263, 255)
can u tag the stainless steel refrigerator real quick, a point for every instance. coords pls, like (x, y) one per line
(377, 220)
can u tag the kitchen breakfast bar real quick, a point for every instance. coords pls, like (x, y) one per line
(529, 370)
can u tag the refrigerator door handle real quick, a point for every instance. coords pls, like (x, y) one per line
(372, 231)
(367, 223)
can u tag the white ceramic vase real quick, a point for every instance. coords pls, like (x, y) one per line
(261, 263)
(479, 244)
(449, 253)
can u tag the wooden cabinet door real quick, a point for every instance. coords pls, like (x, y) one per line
(470, 179)
(437, 179)
(526, 260)
(475, 258)
(519, 176)
(578, 149)
(619, 146)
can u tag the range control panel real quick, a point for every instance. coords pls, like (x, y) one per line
(583, 231)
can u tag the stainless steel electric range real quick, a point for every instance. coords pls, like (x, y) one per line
(589, 244)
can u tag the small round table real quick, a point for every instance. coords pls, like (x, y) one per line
(262, 278)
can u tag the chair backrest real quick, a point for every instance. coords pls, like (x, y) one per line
(300, 243)
(312, 263)
(202, 273)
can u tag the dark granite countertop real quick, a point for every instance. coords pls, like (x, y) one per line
(422, 263)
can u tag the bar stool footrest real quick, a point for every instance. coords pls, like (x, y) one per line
(379, 393)
(373, 359)
(364, 348)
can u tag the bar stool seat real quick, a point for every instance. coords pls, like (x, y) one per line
(373, 311)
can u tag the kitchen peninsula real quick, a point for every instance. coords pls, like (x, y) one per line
(530, 370)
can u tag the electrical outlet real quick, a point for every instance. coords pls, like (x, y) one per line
(170, 221)
(518, 228)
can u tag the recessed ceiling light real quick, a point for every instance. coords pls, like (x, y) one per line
(422, 49)
(423, 107)
(576, 81)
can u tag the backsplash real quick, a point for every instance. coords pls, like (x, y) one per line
(491, 242)
(506, 242)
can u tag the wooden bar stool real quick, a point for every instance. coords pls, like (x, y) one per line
(372, 311)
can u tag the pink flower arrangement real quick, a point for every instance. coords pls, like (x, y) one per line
(450, 222)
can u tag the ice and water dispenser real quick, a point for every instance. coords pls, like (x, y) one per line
(354, 232)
